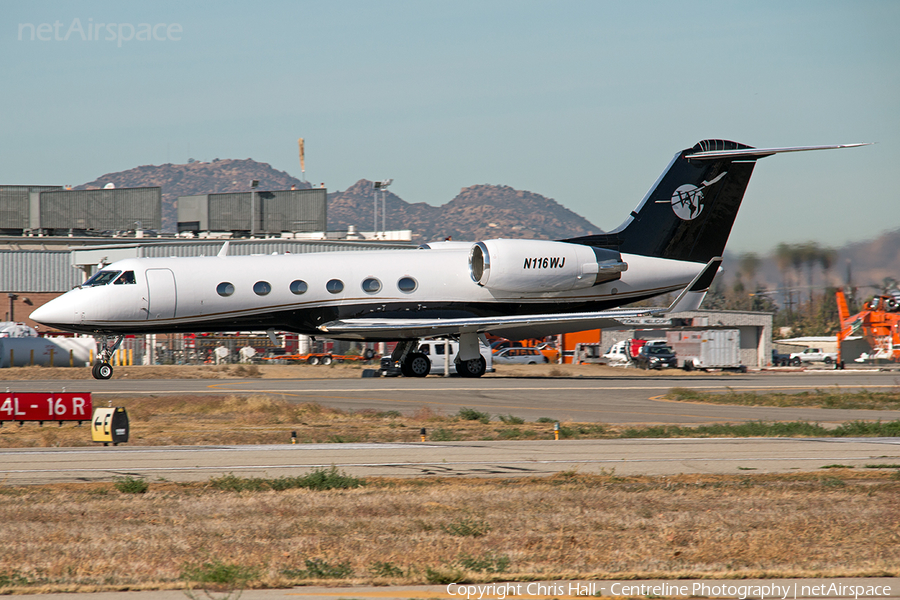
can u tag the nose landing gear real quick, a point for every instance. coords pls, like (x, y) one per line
(102, 369)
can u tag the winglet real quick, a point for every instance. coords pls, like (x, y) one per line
(691, 296)
(224, 250)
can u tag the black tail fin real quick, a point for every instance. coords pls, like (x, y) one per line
(689, 212)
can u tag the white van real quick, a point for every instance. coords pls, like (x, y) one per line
(434, 350)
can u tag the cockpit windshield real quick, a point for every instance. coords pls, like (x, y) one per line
(101, 278)
(126, 278)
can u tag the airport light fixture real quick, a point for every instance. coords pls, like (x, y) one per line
(254, 183)
(381, 185)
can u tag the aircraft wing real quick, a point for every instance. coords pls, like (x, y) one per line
(522, 326)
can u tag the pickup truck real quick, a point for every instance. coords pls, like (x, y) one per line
(813, 355)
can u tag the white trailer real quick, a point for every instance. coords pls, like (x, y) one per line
(56, 352)
(707, 349)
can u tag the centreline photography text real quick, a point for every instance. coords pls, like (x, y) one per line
(742, 590)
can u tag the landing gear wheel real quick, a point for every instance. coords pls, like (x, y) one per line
(102, 370)
(416, 364)
(472, 368)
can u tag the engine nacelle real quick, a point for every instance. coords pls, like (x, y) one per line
(541, 266)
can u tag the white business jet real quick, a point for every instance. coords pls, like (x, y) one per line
(461, 290)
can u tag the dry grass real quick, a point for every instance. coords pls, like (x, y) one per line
(81, 537)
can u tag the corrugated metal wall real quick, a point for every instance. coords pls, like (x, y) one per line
(37, 271)
(276, 212)
(102, 210)
(229, 212)
(15, 204)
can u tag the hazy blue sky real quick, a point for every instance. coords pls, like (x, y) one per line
(584, 102)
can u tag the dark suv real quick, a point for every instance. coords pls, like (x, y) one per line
(655, 357)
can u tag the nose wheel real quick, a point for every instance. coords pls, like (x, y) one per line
(102, 369)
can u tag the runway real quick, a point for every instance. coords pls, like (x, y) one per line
(448, 459)
(614, 400)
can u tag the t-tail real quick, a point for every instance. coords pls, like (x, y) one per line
(689, 212)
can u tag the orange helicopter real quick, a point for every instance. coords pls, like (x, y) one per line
(878, 322)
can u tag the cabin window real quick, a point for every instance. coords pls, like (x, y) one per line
(299, 287)
(225, 289)
(126, 278)
(101, 278)
(335, 286)
(407, 284)
(261, 288)
(371, 285)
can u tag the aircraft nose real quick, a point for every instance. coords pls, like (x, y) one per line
(56, 312)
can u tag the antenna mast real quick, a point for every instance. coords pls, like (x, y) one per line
(302, 161)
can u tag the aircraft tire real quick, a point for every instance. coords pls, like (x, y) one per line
(103, 370)
(416, 364)
(472, 368)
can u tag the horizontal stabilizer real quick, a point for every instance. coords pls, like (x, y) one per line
(754, 153)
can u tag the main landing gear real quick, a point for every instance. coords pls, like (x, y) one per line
(102, 369)
(417, 364)
(471, 368)
(412, 364)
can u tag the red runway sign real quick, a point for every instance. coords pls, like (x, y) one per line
(45, 406)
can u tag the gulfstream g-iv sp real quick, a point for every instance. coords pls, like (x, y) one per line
(515, 288)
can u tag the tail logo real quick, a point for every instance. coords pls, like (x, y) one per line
(687, 199)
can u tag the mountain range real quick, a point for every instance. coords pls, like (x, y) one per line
(478, 211)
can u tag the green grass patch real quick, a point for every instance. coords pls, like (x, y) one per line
(828, 398)
(131, 485)
(486, 563)
(317, 568)
(218, 573)
(764, 429)
(470, 414)
(511, 419)
(385, 569)
(319, 479)
(467, 527)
